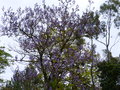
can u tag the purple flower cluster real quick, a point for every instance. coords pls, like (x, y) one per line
(22, 76)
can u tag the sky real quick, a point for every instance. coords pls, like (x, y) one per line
(4, 41)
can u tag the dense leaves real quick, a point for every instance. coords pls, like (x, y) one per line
(4, 60)
(110, 73)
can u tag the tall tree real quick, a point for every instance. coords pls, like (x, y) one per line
(52, 38)
(109, 11)
(109, 69)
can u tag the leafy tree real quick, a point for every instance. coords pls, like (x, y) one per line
(109, 13)
(4, 56)
(109, 74)
(109, 69)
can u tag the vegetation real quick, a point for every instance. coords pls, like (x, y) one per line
(4, 56)
(54, 40)
(110, 73)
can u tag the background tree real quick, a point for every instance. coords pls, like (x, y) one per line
(4, 61)
(110, 73)
(109, 11)
(109, 69)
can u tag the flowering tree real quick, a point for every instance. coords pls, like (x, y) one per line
(52, 37)
(26, 79)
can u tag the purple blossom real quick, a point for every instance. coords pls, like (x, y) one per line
(49, 35)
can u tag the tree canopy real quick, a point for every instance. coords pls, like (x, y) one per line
(53, 39)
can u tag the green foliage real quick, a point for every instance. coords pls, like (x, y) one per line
(110, 5)
(109, 74)
(111, 8)
(3, 61)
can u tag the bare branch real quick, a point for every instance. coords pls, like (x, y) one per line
(101, 42)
